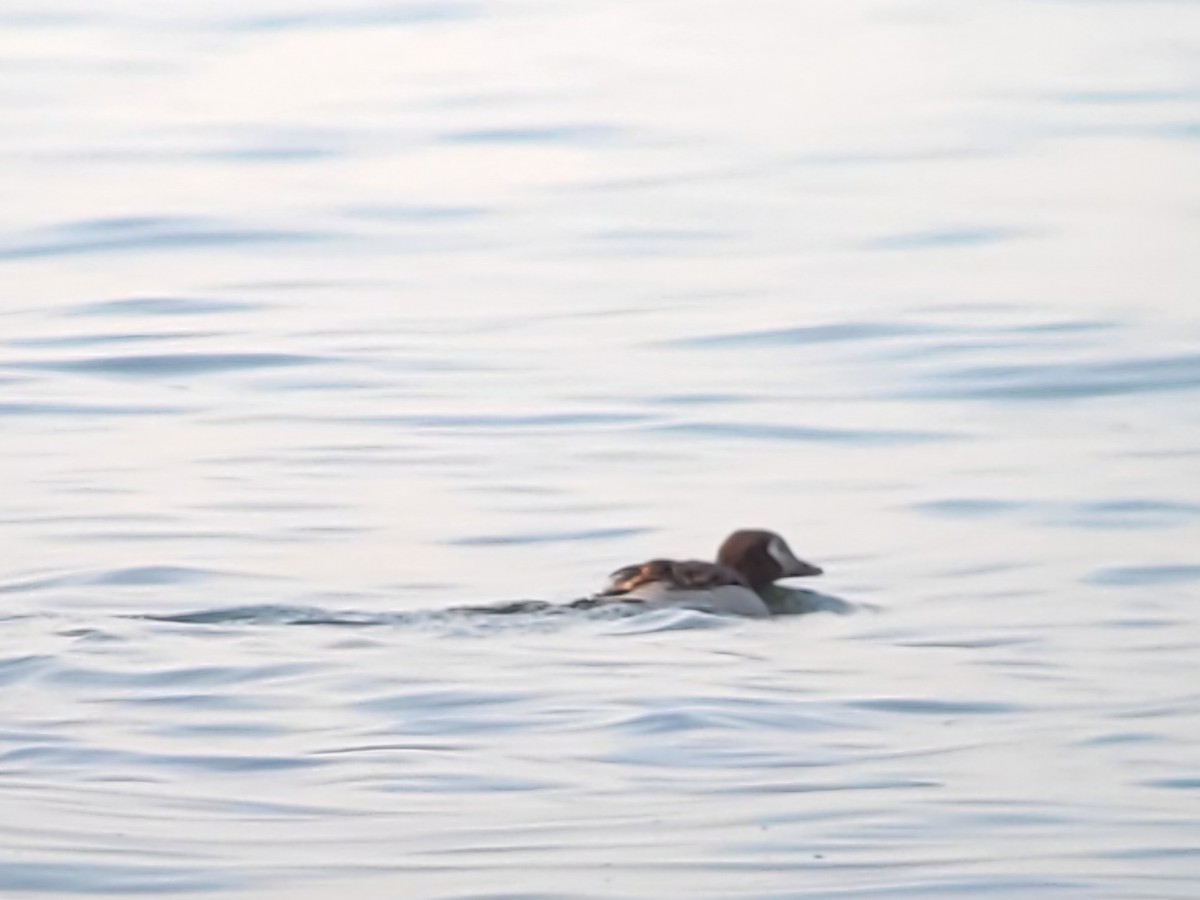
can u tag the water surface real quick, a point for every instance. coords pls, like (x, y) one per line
(323, 322)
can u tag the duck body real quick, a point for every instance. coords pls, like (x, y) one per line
(721, 599)
(747, 562)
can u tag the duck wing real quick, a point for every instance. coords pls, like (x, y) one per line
(688, 574)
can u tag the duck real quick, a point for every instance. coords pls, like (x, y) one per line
(748, 561)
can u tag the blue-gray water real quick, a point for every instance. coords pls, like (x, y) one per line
(320, 320)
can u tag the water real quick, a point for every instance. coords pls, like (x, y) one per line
(322, 321)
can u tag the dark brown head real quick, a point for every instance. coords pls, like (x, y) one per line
(762, 557)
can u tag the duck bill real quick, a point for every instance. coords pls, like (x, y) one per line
(801, 569)
(790, 566)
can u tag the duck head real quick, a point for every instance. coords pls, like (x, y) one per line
(762, 557)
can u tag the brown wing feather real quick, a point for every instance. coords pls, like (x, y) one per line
(689, 573)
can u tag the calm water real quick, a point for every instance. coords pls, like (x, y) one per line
(320, 320)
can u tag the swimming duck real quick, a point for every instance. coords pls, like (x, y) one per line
(748, 561)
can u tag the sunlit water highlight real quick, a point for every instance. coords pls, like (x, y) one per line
(325, 326)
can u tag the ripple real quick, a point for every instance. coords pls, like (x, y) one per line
(1056, 381)
(947, 238)
(1121, 576)
(1138, 513)
(1174, 784)
(1140, 506)
(1120, 737)
(134, 575)
(174, 364)
(137, 307)
(548, 537)
(801, 433)
(154, 575)
(828, 333)
(63, 877)
(461, 783)
(800, 787)
(1122, 96)
(184, 677)
(1109, 514)
(18, 668)
(99, 760)
(143, 233)
(409, 13)
(687, 400)
(927, 707)
(1064, 326)
(94, 340)
(532, 616)
(674, 715)
(265, 614)
(584, 133)
(493, 421)
(100, 410)
(968, 508)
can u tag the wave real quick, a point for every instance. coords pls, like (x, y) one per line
(522, 613)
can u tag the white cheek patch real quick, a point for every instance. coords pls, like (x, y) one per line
(780, 553)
